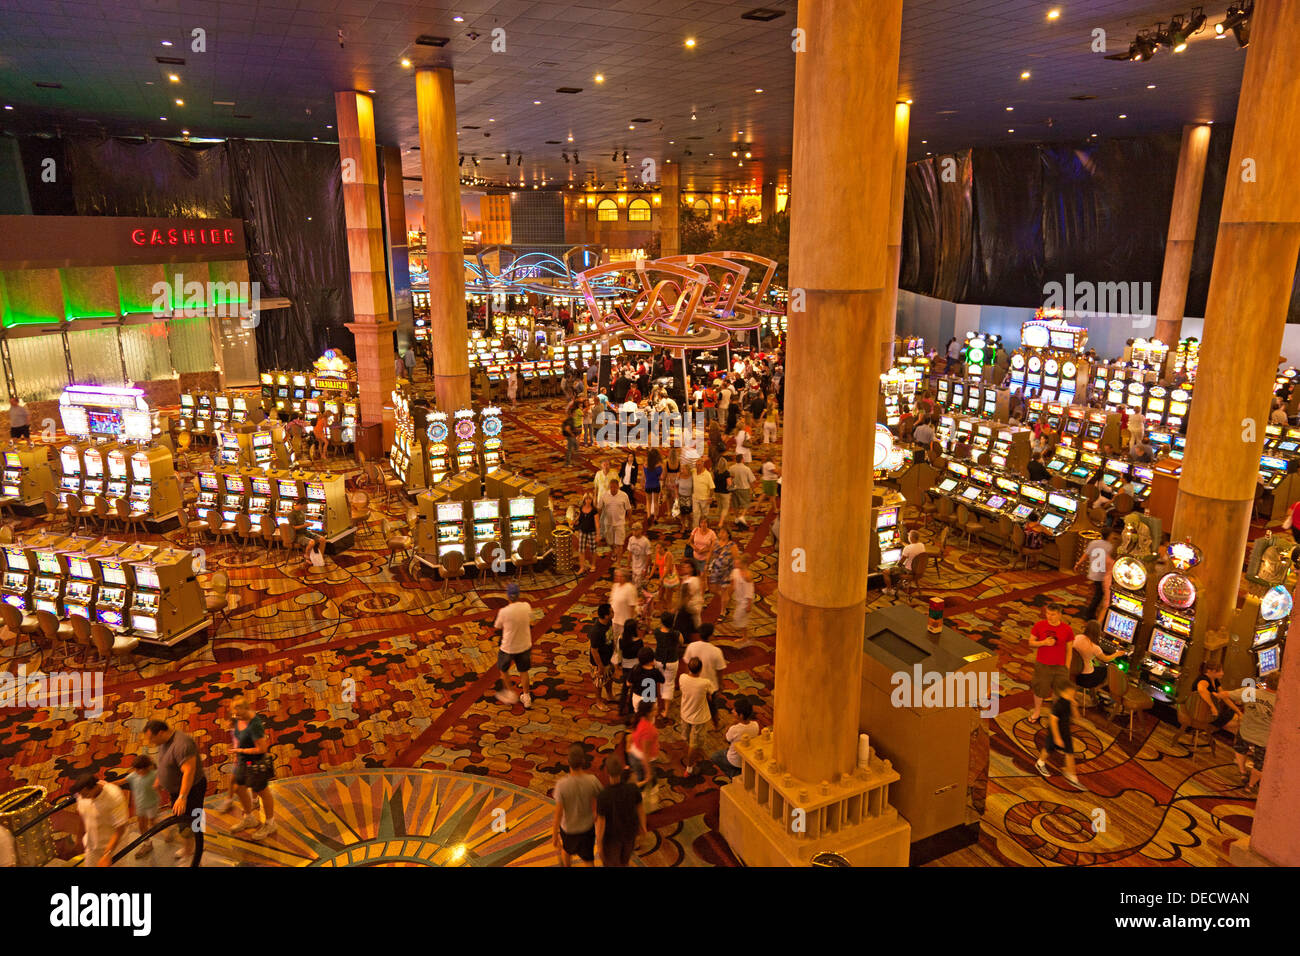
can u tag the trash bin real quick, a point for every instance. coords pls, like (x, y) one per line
(826, 858)
(562, 546)
(35, 846)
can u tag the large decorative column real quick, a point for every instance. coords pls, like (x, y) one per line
(898, 184)
(435, 100)
(670, 238)
(1250, 288)
(371, 325)
(801, 789)
(1182, 233)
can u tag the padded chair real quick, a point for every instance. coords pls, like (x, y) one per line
(287, 539)
(18, 624)
(194, 527)
(525, 558)
(85, 510)
(1123, 504)
(245, 531)
(970, 525)
(911, 582)
(1005, 528)
(81, 639)
(1194, 714)
(397, 542)
(1126, 697)
(216, 598)
(359, 507)
(57, 510)
(930, 508)
(266, 531)
(451, 566)
(58, 636)
(131, 521)
(110, 646)
(219, 528)
(938, 552)
(488, 555)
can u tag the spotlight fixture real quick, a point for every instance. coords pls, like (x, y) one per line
(575, 158)
(475, 160)
(1237, 22)
(625, 156)
(462, 160)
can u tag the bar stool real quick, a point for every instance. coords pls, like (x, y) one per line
(244, 529)
(57, 633)
(57, 509)
(219, 528)
(111, 646)
(18, 624)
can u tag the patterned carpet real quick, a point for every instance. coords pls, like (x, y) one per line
(371, 680)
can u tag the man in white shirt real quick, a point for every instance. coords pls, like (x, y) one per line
(514, 621)
(913, 547)
(623, 602)
(613, 512)
(742, 495)
(712, 663)
(104, 817)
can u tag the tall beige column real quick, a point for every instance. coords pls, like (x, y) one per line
(435, 102)
(670, 237)
(846, 80)
(1182, 233)
(1250, 288)
(898, 184)
(371, 325)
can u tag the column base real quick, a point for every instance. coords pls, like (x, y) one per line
(757, 840)
(1240, 853)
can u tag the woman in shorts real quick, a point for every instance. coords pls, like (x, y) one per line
(587, 516)
(253, 768)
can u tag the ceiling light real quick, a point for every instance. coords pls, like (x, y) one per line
(1151, 86)
(329, 125)
(8, 107)
(599, 77)
(173, 77)
(458, 19)
(180, 102)
(1010, 131)
(734, 154)
(1123, 116)
(630, 126)
(690, 43)
(748, 154)
(185, 132)
(1054, 14)
(692, 114)
(570, 137)
(406, 63)
(163, 118)
(758, 90)
(537, 102)
(166, 42)
(371, 92)
(475, 160)
(490, 120)
(1010, 108)
(740, 132)
(1024, 75)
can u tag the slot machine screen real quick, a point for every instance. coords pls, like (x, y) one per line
(1056, 464)
(970, 493)
(1080, 471)
(208, 480)
(522, 507)
(996, 501)
(113, 573)
(262, 486)
(1272, 464)
(1061, 502)
(1265, 635)
(12, 460)
(1287, 445)
(288, 489)
(1051, 522)
(1126, 604)
(948, 485)
(1120, 626)
(16, 559)
(144, 623)
(1143, 475)
(1038, 495)
(1062, 340)
(146, 577)
(486, 509)
(450, 511)
(892, 556)
(109, 617)
(79, 568)
(47, 562)
(316, 492)
(1167, 647)
(1022, 512)
(1270, 659)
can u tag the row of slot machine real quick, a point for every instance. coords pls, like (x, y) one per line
(307, 396)
(897, 386)
(138, 589)
(146, 477)
(1008, 446)
(463, 515)
(1086, 429)
(995, 493)
(206, 413)
(428, 445)
(27, 475)
(1078, 466)
(321, 496)
(1047, 378)
(972, 398)
(256, 447)
(1187, 358)
(1158, 404)
(581, 354)
(979, 355)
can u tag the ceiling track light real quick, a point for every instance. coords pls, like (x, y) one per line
(625, 156)
(462, 160)
(1237, 22)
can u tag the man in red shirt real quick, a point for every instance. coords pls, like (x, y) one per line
(1052, 640)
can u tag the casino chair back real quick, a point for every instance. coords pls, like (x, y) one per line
(1194, 714)
(1126, 697)
(1123, 504)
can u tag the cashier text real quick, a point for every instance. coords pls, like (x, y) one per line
(917, 688)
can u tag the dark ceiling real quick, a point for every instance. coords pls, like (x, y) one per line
(279, 62)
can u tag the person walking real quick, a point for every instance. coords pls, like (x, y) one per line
(181, 777)
(742, 592)
(573, 828)
(144, 799)
(408, 360)
(514, 621)
(1059, 739)
(701, 492)
(1052, 639)
(587, 518)
(722, 561)
(613, 512)
(653, 473)
(104, 818)
(695, 690)
(620, 816)
(254, 768)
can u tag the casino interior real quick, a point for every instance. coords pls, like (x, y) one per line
(313, 326)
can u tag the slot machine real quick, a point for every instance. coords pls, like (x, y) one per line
(974, 396)
(238, 410)
(1055, 416)
(203, 414)
(523, 519)
(1069, 380)
(263, 449)
(47, 587)
(943, 393)
(348, 422)
(982, 437)
(466, 447)
(1034, 374)
(267, 382)
(27, 475)
(1135, 397)
(1051, 379)
(958, 396)
(496, 373)
(1058, 521)
(1115, 472)
(298, 393)
(486, 522)
(1018, 371)
(92, 482)
(1094, 431)
(1157, 404)
(965, 431)
(438, 434)
(887, 540)
(185, 417)
(17, 587)
(451, 529)
(153, 488)
(282, 390)
(166, 601)
(220, 412)
(209, 494)
(1074, 423)
(1175, 616)
(1063, 460)
(311, 408)
(288, 495)
(12, 478)
(1089, 464)
(119, 477)
(1131, 611)
(326, 506)
(1269, 638)
(79, 588)
(234, 489)
(1258, 631)
(1115, 391)
(259, 497)
(490, 425)
(228, 445)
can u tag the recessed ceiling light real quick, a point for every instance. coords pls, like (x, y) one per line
(537, 102)
(671, 142)
(315, 137)
(180, 102)
(163, 118)
(924, 142)
(459, 19)
(491, 120)
(1024, 75)
(406, 62)
(758, 89)
(1010, 108)
(1054, 14)
(173, 77)
(371, 92)
(1123, 116)
(599, 78)
(740, 132)
(570, 137)
(1010, 131)
(8, 107)
(329, 125)
(1151, 86)
(166, 42)
(690, 43)
(185, 132)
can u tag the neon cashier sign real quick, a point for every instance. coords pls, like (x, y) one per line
(183, 237)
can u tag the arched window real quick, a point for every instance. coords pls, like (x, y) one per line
(701, 207)
(607, 211)
(638, 210)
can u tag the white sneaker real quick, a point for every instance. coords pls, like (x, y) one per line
(146, 849)
(264, 831)
(507, 696)
(526, 699)
(185, 852)
(1042, 768)
(224, 805)
(250, 822)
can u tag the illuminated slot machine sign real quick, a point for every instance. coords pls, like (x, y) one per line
(1052, 377)
(1096, 427)
(439, 449)
(185, 418)
(1063, 460)
(978, 352)
(283, 389)
(1187, 357)
(315, 505)
(267, 382)
(943, 393)
(92, 482)
(1115, 472)
(209, 492)
(1074, 418)
(47, 589)
(229, 447)
(487, 521)
(232, 502)
(287, 496)
(311, 408)
(1270, 631)
(203, 414)
(101, 411)
(17, 579)
(239, 410)
(974, 396)
(958, 396)
(1135, 395)
(298, 391)
(1272, 470)
(1157, 403)
(889, 536)
(141, 482)
(262, 452)
(79, 589)
(1175, 615)
(466, 448)
(490, 423)
(1179, 403)
(1087, 466)
(259, 498)
(1127, 605)
(1055, 415)
(118, 477)
(221, 411)
(1018, 371)
(13, 474)
(450, 517)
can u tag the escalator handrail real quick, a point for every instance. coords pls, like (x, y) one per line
(163, 824)
(61, 805)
